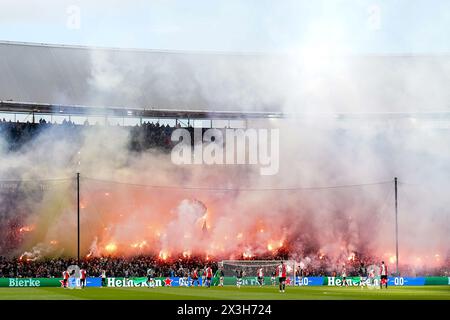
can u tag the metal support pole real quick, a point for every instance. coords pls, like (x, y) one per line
(396, 225)
(78, 217)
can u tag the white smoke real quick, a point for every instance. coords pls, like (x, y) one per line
(318, 148)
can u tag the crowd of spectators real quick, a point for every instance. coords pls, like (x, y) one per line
(145, 136)
(114, 266)
(137, 267)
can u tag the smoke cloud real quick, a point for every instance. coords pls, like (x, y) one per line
(134, 203)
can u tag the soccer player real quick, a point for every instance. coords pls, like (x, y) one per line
(83, 278)
(204, 276)
(272, 279)
(209, 275)
(344, 276)
(195, 277)
(239, 274)
(65, 279)
(103, 276)
(185, 277)
(281, 272)
(383, 275)
(298, 275)
(371, 278)
(150, 278)
(221, 277)
(261, 277)
(362, 271)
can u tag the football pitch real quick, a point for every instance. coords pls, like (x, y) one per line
(229, 293)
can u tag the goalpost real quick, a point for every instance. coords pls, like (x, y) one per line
(250, 267)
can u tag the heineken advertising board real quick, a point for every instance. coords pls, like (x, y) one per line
(392, 281)
(42, 282)
(246, 281)
(304, 281)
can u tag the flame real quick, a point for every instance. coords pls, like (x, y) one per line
(26, 229)
(271, 245)
(163, 255)
(187, 254)
(392, 259)
(111, 247)
(53, 242)
(27, 259)
(139, 245)
(247, 253)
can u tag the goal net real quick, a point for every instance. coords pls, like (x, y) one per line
(250, 267)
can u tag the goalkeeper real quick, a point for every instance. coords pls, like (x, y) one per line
(219, 274)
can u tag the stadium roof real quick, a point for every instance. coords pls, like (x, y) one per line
(159, 83)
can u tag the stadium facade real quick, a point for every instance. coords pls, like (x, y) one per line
(145, 83)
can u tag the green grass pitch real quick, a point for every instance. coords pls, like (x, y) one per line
(228, 293)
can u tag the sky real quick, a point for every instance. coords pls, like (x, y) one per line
(266, 26)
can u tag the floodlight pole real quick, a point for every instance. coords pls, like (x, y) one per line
(78, 217)
(396, 225)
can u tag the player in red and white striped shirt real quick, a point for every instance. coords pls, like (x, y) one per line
(281, 273)
(209, 275)
(83, 278)
(260, 277)
(383, 275)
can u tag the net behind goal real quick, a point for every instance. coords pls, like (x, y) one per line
(250, 267)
